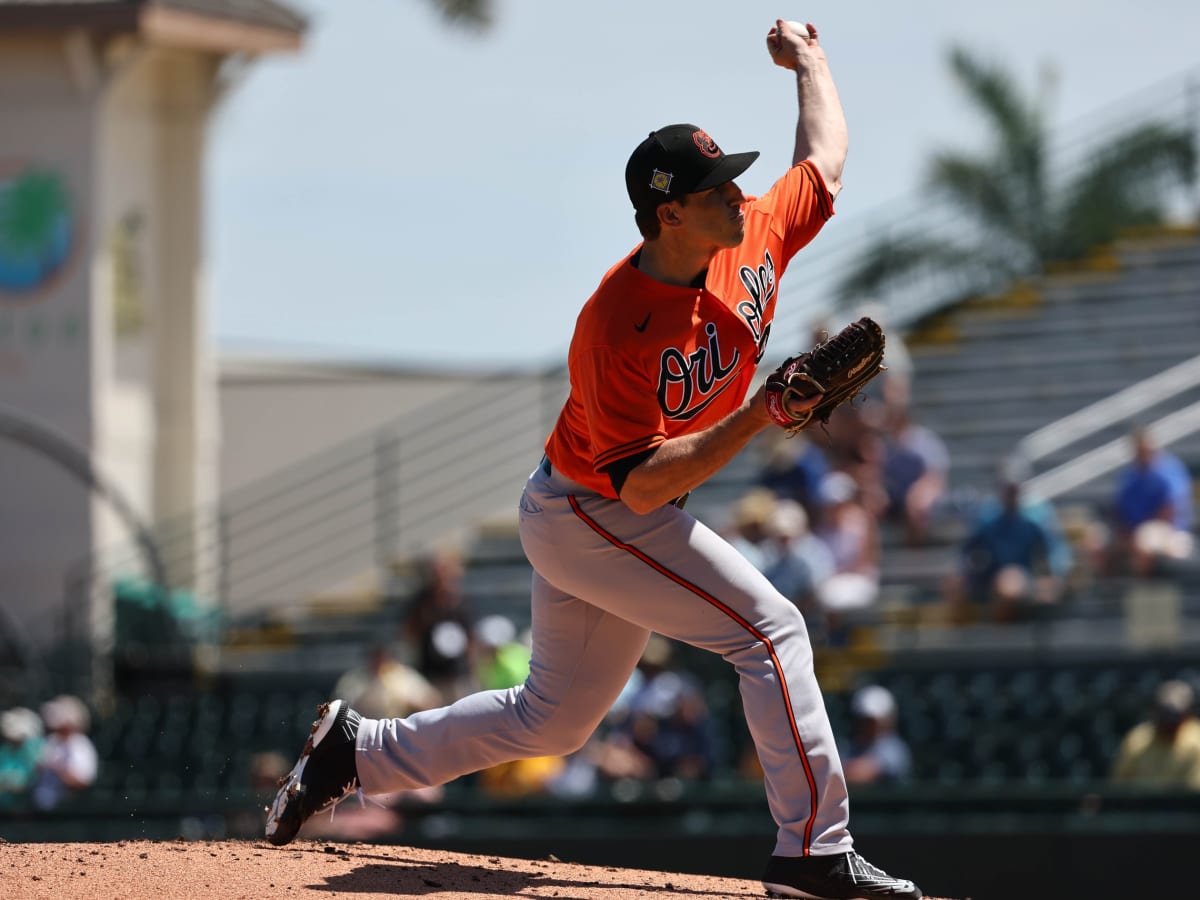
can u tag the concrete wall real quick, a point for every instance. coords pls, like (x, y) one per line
(274, 415)
(331, 473)
(49, 327)
(109, 344)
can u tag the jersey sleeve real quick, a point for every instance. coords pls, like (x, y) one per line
(799, 205)
(620, 401)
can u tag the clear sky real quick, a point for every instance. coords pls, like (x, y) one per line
(402, 191)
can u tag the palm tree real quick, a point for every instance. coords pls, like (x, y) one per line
(471, 13)
(1023, 221)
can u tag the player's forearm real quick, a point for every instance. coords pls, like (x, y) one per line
(684, 463)
(821, 133)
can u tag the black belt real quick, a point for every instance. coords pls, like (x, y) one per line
(548, 470)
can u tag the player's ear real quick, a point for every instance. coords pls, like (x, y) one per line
(668, 214)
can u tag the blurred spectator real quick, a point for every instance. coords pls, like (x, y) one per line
(501, 662)
(1152, 510)
(667, 732)
(438, 625)
(749, 525)
(915, 467)
(521, 777)
(670, 725)
(1165, 751)
(854, 445)
(774, 534)
(389, 689)
(1014, 558)
(851, 534)
(582, 771)
(68, 762)
(875, 752)
(20, 748)
(792, 467)
(797, 561)
(384, 688)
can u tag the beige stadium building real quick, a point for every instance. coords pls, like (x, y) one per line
(107, 375)
(128, 448)
(107, 379)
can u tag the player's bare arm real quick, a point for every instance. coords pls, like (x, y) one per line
(683, 463)
(821, 134)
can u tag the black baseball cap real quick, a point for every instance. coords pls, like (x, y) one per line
(678, 160)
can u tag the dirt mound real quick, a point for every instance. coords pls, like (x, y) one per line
(249, 870)
(224, 870)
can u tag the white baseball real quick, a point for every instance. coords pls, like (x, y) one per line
(774, 41)
(798, 27)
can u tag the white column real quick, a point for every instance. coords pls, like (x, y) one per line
(183, 379)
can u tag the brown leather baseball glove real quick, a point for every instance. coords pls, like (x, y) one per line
(837, 368)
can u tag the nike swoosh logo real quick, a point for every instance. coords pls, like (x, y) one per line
(642, 327)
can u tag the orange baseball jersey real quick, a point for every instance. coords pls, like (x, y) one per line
(651, 361)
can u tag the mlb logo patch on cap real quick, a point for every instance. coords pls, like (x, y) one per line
(661, 181)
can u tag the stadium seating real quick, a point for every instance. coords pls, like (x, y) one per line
(1042, 704)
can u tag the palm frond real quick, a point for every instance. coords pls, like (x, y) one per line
(1017, 122)
(1150, 151)
(996, 199)
(471, 13)
(890, 261)
(1012, 219)
(1124, 187)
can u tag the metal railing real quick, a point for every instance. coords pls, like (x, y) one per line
(1100, 461)
(1125, 405)
(361, 504)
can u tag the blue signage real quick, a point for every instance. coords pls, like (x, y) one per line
(36, 228)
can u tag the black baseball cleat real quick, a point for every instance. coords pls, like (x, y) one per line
(323, 776)
(846, 876)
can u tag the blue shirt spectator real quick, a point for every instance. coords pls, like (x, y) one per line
(915, 468)
(1029, 532)
(1151, 511)
(793, 470)
(1015, 557)
(1156, 485)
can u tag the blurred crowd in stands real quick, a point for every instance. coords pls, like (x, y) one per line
(816, 522)
(1151, 517)
(45, 756)
(814, 525)
(1163, 751)
(828, 501)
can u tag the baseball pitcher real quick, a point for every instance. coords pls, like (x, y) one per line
(662, 370)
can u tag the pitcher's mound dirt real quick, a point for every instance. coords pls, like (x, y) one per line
(250, 870)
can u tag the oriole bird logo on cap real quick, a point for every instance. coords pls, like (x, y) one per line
(706, 144)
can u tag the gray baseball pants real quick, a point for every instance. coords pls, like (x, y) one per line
(604, 579)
